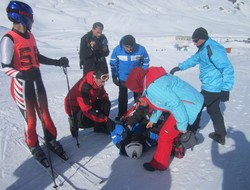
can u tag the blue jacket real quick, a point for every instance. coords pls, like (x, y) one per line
(175, 95)
(216, 73)
(122, 62)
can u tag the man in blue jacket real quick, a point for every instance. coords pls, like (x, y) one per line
(127, 55)
(216, 75)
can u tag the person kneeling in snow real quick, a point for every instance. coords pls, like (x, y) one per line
(87, 103)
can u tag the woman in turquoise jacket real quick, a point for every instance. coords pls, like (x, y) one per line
(166, 93)
(216, 76)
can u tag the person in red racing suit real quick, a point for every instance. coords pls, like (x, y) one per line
(20, 60)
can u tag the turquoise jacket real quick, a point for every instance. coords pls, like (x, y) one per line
(170, 93)
(216, 71)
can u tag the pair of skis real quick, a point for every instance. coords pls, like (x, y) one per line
(62, 182)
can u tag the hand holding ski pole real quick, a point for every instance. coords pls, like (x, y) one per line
(64, 62)
(70, 103)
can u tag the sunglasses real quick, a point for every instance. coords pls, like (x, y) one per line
(195, 40)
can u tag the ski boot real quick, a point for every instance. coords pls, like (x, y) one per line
(57, 148)
(40, 156)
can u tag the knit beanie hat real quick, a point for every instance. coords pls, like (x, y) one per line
(135, 79)
(128, 40)
(101, 73)
(200, 33)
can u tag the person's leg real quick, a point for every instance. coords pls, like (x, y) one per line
(212, 102)
(50, 129)
(122, 100)
(167, 135)
(196, 125)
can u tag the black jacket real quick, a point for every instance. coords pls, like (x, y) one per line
(89, 58)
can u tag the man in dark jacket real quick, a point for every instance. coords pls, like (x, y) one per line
(93, 49)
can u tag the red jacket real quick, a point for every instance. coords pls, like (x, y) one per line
(83, 94)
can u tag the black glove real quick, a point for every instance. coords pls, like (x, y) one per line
(73, 127)
(63, 62)
(110, 125)
(175, 69)
(29, 75)
(115, 80)
(224, 96)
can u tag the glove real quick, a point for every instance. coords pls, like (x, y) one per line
(81, 65)
(73, 127)
(110, 125)
(175, 69)
(116, 135)
(224, 96)
(115, 80)
(63, 62)
(29, 75)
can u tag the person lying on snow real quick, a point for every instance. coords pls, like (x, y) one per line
(132, 137)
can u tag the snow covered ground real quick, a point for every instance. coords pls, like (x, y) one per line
(58, 27)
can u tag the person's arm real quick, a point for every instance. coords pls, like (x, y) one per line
(7, 51)
(105, 47)
(62, 62)
(145, 59)
(84, 102)
(223, 64)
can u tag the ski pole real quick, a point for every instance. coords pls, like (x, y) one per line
(70, 102)
(45, 137)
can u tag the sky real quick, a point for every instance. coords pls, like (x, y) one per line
(58, 27)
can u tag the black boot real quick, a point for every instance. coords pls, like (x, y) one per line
(57, 148)
(217, 138)
(40, 156)
(148, 167)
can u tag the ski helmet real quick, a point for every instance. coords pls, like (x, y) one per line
(19, 12)
(134, 149)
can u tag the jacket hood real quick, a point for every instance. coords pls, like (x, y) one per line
(135, 79)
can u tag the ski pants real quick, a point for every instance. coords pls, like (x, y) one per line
(212, 102)
(23, 93)
(123, 99)
(166, 138)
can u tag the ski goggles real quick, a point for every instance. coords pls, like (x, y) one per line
(103, 77)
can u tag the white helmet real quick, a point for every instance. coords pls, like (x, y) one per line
(134, 149)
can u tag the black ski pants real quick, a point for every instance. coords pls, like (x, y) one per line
(212, 103)
(123, 99)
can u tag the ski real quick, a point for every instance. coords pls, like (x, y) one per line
(60, 181)
(84, 172)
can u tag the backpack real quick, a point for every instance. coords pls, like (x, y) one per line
(178, 150)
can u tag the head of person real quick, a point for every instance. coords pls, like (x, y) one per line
(199, 36)
(143, 101)
(135, 79)
(97, 29)
(100, 76)
(19, 12)
(128, 43)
